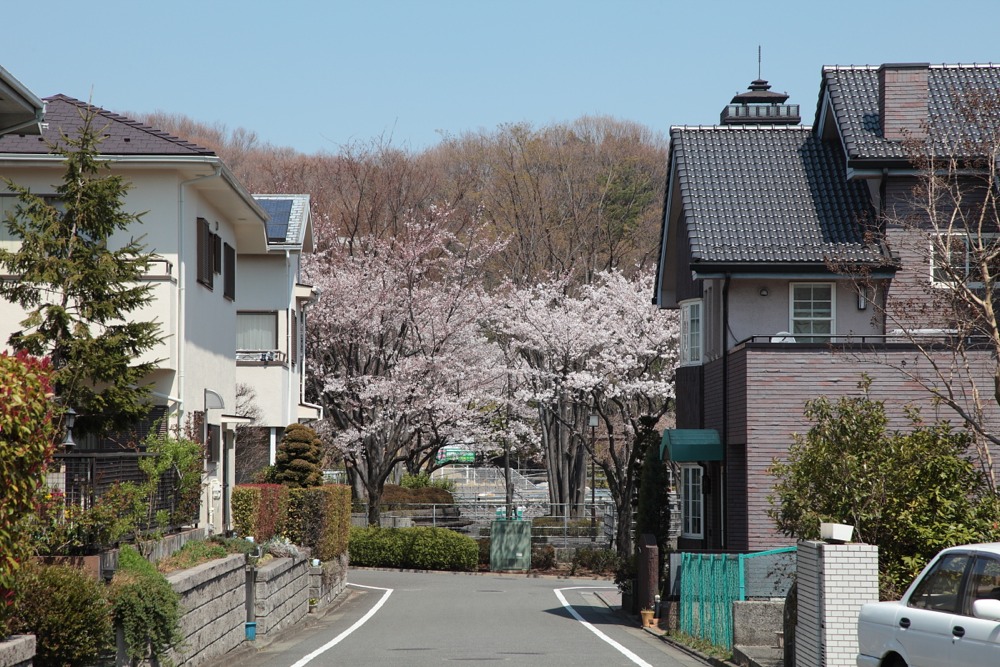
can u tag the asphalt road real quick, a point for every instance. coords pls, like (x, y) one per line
(430, 618)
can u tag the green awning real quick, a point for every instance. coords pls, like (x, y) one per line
(691, 444)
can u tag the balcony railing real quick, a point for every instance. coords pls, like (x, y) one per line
(261, 357)
(929, 337)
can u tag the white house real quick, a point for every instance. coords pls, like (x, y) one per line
(271, 317)
(201, 223)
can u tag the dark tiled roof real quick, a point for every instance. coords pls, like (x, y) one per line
(854, 93)
(769, 194)
(123, 136)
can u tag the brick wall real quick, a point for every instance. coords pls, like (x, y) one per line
(834, 580)
(903, 101)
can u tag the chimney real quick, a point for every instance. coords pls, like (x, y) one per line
(902, 100)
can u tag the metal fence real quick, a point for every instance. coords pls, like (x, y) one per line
(710, 583)
(551, 524)
(86, 476)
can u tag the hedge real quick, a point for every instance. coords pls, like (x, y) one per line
(417, 548)
(318, 518)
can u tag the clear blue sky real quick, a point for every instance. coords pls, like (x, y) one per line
(314, 75)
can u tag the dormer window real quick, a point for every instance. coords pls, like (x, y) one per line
(690, 332)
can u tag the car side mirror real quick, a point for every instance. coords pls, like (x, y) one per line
(986, 608)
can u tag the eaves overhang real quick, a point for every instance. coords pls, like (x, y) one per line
(786, 270)
(20, 110)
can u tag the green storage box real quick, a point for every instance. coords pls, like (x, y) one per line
(510, 545)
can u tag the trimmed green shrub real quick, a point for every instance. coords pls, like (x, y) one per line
(377, 547)
(297, 460)
(442, 549)
(320, 518)
(67, 612)
(419, 548)
(244, 502)
(145, 607)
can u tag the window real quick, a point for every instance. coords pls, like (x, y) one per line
(812, 312)
(690, 333)
(692, 502)
(938, 590)
(206, 254)
(229, 280)
(256, 331)
(955, 258)
(984, 582)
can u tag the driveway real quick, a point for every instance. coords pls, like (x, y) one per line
(430, 618)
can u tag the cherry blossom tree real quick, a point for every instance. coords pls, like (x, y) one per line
(596, 349)
(399, 360)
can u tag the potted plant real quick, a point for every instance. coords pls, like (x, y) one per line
(648, 620)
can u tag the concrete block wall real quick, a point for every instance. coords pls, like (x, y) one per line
(281, 594)
(17, 651)
(213, 600)
(327, 581)
(834, 580)
(755, 622)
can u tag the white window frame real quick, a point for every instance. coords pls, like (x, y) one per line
(810, 336)
(692, 501)
(692, 341)
(935, 244)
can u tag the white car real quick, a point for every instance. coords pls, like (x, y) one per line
(949, 616)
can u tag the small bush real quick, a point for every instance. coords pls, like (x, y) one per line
(426, 495)
(442, 549)
(376, 547)
(484, 551)
(423, 480)
(244, 502)
(66, 610)
(543, 557)
(420, 548)
(319, 518)
(598, 561)
(145, 606)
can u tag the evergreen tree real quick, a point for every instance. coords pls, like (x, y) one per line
(653, 504)
(78, 291)
(297, 460)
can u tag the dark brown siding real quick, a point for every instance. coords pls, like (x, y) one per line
(781, 381)
(686, 287)
(689, 396)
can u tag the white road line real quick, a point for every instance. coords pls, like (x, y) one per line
(343, 635)
(621, 649)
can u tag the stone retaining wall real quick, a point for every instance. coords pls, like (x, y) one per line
(17, 651)
(213, 600)
(281, 594)
(327, 581)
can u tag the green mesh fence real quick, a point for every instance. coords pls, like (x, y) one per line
(710, 583)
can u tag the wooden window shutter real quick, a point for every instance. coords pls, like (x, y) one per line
(229, 280)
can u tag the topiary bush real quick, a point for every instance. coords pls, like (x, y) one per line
(66, 610)
(145, 607)
(419, 548)
(244, 502)
(297, 462)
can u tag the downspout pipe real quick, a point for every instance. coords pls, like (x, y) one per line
(725, 412)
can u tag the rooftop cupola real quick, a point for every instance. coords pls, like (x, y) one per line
(760, 106)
